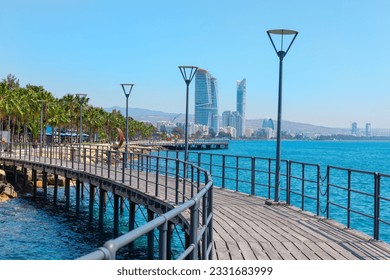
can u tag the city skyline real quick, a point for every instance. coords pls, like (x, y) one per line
(335, 73)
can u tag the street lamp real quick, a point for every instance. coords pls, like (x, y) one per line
(188, 73)
(127, 88)
(81, 97)
(281, 54)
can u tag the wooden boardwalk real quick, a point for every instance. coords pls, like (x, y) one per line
(245, 228)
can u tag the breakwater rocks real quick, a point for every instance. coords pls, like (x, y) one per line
(6, 189)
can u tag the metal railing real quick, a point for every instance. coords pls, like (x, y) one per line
(355, 198)
(190, 196)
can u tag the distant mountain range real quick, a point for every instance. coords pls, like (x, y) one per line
(153, 117)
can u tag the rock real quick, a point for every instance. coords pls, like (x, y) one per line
(39, 184)
(3, 175)
(3, 198)
(7, 189)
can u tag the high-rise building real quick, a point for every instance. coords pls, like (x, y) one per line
(241, 104)
(368, 129)
(354, 129)
(206, 100)
(268, 123)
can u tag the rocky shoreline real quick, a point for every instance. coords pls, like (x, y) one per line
(7, 191)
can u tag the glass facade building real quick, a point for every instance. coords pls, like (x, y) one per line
(241, 104)
(206, 100)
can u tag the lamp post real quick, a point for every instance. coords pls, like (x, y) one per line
(81, 97)
(127, 88)
(281, 54)
(41, 125)
(40, 129)
(188, 73)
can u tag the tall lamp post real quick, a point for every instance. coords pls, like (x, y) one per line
(81, 97)
(281, 54)
(41, 129)
(188, 73)
(127, 88)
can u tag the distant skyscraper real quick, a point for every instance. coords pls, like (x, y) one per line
(206, 100)
(354, 129)
(268, 123)
(230, 118)
(368, 129)
(241, 104)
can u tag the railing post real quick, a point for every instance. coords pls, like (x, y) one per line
(237, 176)
(223, 171)
(157, 174)
(210, 226)
(377, 194)
(147, 174)
(85, 158)
(303, 187)
(109, 164)
(131, 166)
(205, 212)
(150, 236)
(318, 188)
(194, 230)
(124, 157)
(269, 178)
(177, 182)
(72, 156)
(288, 188)
(349, 200)
(327, 191)
(163, 234)
(253, 175)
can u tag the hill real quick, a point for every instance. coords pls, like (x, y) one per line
(153, 117)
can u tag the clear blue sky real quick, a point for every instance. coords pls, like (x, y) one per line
(337, 71)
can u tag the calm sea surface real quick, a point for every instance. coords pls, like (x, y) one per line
(33, 229)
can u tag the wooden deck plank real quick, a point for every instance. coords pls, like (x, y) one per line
(234, 250)
(294, 251)
(259, 251)
(221, 250)
(246, 250)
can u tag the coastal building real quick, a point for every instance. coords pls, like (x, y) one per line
(354, 129)
(368, 129)
(164, 126)
(230, 118)
(206, 100)
(228, 130)
(249, 132)
(268, 123)
(241, 105)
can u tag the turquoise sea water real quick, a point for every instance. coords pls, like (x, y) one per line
(37, 230)
(364, 155)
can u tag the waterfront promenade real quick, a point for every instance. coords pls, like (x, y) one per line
(244, 226)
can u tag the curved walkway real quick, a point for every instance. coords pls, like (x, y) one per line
(246, 228)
